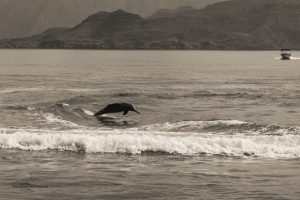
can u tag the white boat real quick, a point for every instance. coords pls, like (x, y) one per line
(286, 53)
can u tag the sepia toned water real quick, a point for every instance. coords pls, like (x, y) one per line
(213, 125)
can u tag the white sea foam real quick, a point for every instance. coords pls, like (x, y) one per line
(50, 118)
(135, 142)
(292, 58)
(61, 105)
(10, 90)
(88, 112)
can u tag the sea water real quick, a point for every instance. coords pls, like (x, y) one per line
(213, 125)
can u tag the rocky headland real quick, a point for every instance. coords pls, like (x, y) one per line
(228, 25)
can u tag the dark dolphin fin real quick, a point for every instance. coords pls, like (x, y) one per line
(125, 112)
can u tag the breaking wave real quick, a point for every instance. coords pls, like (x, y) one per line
(222, 127)
(155, 138)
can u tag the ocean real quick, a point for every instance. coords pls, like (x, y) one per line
(213, 125)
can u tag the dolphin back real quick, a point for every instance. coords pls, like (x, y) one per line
(117, 107)
(111, 108)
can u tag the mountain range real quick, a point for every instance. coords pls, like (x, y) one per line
(23, 18)
(233, 25)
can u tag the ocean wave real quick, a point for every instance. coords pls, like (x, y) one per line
(224, 127)
(165, 96)
(227, 95)
(61, 105)
(13, 90)
(187, 125)
(51, 118)
(83, 110)
(137, 142)
(128, 94)
(13, 107)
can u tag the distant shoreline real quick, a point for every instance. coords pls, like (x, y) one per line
(146, 49)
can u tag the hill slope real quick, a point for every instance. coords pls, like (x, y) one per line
(169, 13)
(239, 24)
(235, 24)
(22, 18)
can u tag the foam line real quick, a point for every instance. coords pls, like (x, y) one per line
(112, 141)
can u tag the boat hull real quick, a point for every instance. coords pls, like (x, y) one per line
(285, 56)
